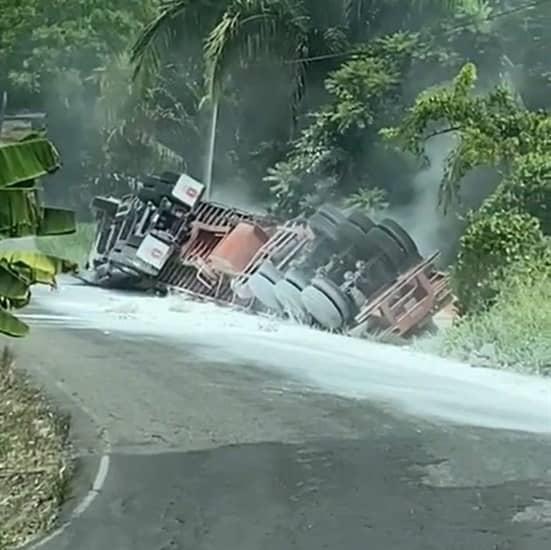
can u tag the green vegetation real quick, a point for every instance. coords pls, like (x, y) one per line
(24, 159)
(513, 334)
(34, 464)
(502, 276)
(74, 248)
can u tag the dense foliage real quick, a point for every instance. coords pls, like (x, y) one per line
(50, 55)
(496, 247)
(491, 130)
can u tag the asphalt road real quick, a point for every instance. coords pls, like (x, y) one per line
(221, 456)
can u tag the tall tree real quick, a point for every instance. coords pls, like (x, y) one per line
(49, 53)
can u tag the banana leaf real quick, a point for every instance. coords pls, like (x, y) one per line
(20, 213)
(57, 221)
(27, 159)
(12, 286)
(18, 271)
(21, 216)
(11, 325)
(35, 267)
(15, 303)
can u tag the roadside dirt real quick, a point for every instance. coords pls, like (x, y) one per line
(34, 459)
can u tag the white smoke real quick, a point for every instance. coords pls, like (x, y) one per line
(423, 218)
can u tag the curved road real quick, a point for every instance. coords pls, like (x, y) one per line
(211, 453)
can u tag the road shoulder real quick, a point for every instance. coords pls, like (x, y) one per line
(88, 441)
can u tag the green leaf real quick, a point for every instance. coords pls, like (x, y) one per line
(57, 221)
(35, 267)
(11, 325)
(27, 159)
(12, 286)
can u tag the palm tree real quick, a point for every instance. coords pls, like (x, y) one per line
(309, 37)
(236, 31)
(248, 30)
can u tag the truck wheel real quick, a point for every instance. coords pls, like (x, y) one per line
(352, 227)
(359, 219)
(289, 296)
(330, 222)
(402, 236)
(380, 242)
(327, 303)
(323, 227)
(352, 235)
(332, 213)
(262, 285)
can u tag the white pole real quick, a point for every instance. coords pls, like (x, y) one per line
(212, 144)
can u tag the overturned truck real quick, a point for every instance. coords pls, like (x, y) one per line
(336, 269)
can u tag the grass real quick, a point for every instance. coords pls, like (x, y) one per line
(71, 247)
(514, 334)
(34, 462)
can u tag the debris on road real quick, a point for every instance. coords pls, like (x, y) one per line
(336, 269)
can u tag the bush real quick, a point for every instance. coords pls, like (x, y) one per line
(527, 189)
(515, 333)
(493, 246)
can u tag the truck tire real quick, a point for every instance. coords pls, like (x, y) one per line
(242, 291)
(262, 285)
(402, 236)
(381, 243)
(332, 223)
(323, 227)
(332, 213)
(327, 303)
(352, 235)
(359, 219)
(352, 227)
(289, 296)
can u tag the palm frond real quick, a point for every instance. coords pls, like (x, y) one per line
(251, 29)
(355, 11)
(177, 20)
(115, 89)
